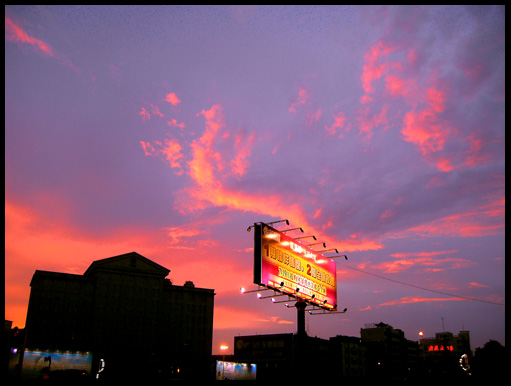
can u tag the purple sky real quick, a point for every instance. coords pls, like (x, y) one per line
(168, 130)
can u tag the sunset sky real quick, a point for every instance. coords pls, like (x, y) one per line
(168, 130)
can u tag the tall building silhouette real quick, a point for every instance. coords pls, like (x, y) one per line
(126, 315)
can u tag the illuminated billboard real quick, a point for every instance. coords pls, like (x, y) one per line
(233, 371)
(284, 264)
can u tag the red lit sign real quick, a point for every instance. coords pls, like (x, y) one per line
(284, 264)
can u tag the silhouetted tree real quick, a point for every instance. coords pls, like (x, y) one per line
(489, 362)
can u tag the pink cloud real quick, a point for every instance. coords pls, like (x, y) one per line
(425, 125)
(301, 100)
(479, 285)
(373, 69)
(172, 152)
(243, 149)
(14, 33)
(422, 254)
(425, 130)
(398, 86)
(207, 171)
(418, 299)
(368, 122)
(144, 114)
(485, 220)
(172, 99)
(148, 148)
(173, 123)
(339, 120)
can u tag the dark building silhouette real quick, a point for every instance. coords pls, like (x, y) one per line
(390, 354)
(125, 312)
(441, 354)
(348, 357)
(282, 356)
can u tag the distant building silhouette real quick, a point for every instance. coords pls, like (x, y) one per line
(442, 353)
(390, 354)
(123, 311)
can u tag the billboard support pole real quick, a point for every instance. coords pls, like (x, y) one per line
(300, 317)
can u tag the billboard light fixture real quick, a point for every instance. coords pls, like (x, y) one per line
(282, 301)
(270, 296)
(275, 222)
(304, 237)
(333, 257)
(292, 229)
(324, 244)
(328, 250)
(244, 291)
(325, 312)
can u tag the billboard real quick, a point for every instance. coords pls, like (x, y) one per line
(284, 264)
(233, 371)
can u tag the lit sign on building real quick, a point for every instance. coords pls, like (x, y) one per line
(284, 264)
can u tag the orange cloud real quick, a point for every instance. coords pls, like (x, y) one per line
(372, 69)
(400, 87)
(422, 254)
(14, 33)
(486, 220)
(436, 99)
(173, 123)
(144, 114)
(418, 299)
(474, 284)
(172, 99)
(243, 148)
(431, 264)
(209, 171)
(425, 130)
(172, 152)
(148, 148)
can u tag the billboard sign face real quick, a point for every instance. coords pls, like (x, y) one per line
(284, 264)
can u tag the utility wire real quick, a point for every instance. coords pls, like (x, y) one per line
(423, 288)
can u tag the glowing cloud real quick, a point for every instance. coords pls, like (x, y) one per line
(172, 152)
(487, 220)
(172, 99)
(144, 114)
(339, 120)
(14, 33)
(417, 299)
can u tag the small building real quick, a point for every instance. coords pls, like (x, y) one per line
(390, 354)
(126, 315)
(289, 357)
(348, 357)
(442, 354)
